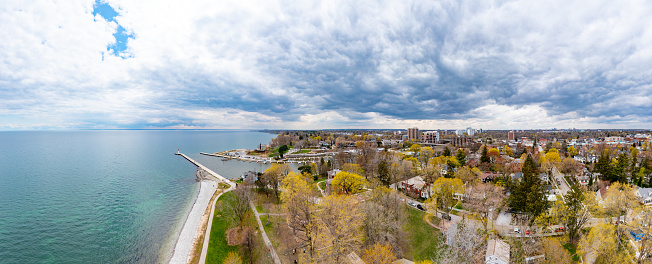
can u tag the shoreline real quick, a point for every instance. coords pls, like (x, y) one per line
(190, 231)
(185, 240)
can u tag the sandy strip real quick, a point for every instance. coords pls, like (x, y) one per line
(186, 238)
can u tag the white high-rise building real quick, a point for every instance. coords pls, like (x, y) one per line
(470, 131)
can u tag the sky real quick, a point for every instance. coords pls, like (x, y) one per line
(205, 64)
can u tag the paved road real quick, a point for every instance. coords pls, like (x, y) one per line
(265, 238)
(560, 177)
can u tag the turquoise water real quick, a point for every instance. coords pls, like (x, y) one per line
(103, 196)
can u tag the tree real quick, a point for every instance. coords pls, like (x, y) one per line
(483, 198)
(508, 151)
(282, 150)
(575, 216)
(465, 241)
(620, 169)
(601, 246)
(620, 198)
(425, 154)
(603, 166)
(446, 152)
(340, 227)
(353, 168)
(348, 183)
(385, 215)
(378, 254)
(493, 153)
(571, 151)
(554, 252)
(383, 172)
(553, 156)
(233, 258)
(468, 175)
(415, 148)
(240, 205)
(528, 196)
(461, 156)
(444, 190)
(299, 203)
(483, 157)
(273, 176)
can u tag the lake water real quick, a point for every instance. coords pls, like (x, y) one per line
(104, 196)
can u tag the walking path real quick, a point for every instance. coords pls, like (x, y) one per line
(272, 252)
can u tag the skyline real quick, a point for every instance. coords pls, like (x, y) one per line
(313, 65)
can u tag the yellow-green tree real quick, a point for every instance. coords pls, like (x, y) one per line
(299, 203)
(415, 148)
(425, 154)
(602, 245)
(553, 156)
(352, 168)
(348, 183)
(468, 175)
(572, 151)
(340, 227)
(508, 151)
(233, 258)
(273, 176)
(378, 254)
(554, 252)
(444, 190)
(493, 153)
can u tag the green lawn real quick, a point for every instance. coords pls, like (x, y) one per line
(572, 249)
(424, 239)
(222, 221)
(304, 151)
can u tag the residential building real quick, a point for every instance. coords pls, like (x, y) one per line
(510, 135)
(415, 187)
(644, 195)
(413, 134)
(497, 252)
(470, 131)
(431, 137)
(461, 141)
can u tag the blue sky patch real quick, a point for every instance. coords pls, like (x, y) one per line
(121, 35)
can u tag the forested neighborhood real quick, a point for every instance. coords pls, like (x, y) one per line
(494, 197)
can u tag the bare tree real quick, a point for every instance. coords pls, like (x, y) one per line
(483, 198)
(385, 216)
(464, 242)
(240, 204)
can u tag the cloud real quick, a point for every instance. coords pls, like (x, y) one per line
(276, 64)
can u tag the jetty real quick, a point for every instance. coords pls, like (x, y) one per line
(212, 173)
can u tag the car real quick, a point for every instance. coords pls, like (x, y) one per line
(516, 230)
(446, 216)
(527, 232)
(420, 207)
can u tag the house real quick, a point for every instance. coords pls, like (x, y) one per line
(332, 173)
(353, 258)
(489, 176)
(601, 193)
(644, 195)
(517, 176)
(497, 252)
(250, 177)
(415, 187)
(543, 176)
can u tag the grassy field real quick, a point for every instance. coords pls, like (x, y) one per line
(222, 221)
(424, 239)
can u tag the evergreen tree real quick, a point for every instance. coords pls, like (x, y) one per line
(447, 152)
(461, 156)
(450, 173)
(528, 195)
(603, 166)
(383, 172)
(621, 167)
(484, 157)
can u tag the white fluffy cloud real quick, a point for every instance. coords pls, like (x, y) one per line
(326, 64)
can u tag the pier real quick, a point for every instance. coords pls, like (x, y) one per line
(212, 173)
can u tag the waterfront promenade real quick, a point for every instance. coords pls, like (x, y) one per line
(190, 229)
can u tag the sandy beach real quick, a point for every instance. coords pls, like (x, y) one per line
(188, 233)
